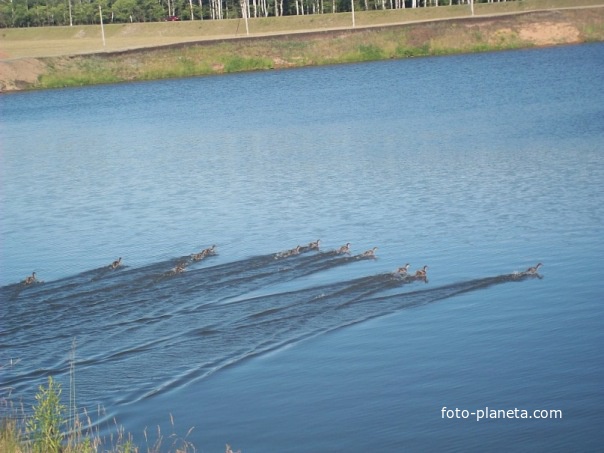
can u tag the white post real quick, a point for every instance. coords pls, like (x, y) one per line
(472, 6)
(246, 8)
(352, 8)
(102, 27)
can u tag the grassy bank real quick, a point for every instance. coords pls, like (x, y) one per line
(66, 56)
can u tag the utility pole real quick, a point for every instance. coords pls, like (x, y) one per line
(102, 27)
(246, 12)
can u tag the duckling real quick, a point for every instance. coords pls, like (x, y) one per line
(179, 268)
(314, 245)
(287, 253)
(295, 251)
(403, 270)
(369, 253)
(30, 279)
(421, 273)
(209, 251)
(344, 249)
(205, 252)
(197, 256)
(533, 270)
(117, 263)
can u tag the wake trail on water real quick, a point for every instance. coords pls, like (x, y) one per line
(147, 331)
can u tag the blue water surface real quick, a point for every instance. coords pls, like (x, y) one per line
(478, 166)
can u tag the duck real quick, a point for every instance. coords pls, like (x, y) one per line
(197, 256)
(369, 253)
(533, 270)
(30, 279)
(344, 249)
(179, 268)
(209, 251)
(294, 251)
(403, 270)
(117, 263)
(205, 252)
(421, 273)
(286, 253)
(314, 245)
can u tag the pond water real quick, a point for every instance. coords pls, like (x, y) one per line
(478, 166)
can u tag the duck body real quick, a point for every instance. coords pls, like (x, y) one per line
(403, 270)
(30, 279)
(197, 256)
(345, 249)
(314, 245)
(117, 263)
(287, 253)
(210, 251)
(421, 273)
(294, 251)
(179, 268)
(369, 253)
(533, 269)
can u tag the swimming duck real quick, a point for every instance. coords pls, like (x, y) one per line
(205, 252)
(344, 249)
(369, 253)
(30, 279)
(314, 245)
(209, 251)
(421, 273)
(179, 268)
(117, 263)
(295, 251)
(197, 256)
(403, 270)
(533, 270)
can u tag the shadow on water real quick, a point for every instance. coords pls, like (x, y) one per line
(183, 327)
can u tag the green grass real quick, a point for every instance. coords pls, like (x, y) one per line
(49, 430)
(238, 63)
(46, 427)
(76, 80)
(52, 427)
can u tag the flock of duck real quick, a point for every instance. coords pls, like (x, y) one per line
(403, 272)
(180, 267)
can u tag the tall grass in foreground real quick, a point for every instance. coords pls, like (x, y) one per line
(48, 430)
(51, 427)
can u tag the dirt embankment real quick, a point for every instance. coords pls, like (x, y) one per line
(543, 28)
(20, 74)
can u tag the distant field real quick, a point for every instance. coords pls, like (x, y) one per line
(78, 40)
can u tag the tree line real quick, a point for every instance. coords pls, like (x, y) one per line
(42, 13)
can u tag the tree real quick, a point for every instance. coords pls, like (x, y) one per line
(124, 10)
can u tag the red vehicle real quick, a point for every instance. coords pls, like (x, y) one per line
(172, 18)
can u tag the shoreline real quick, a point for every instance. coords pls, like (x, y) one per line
(299, 48)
